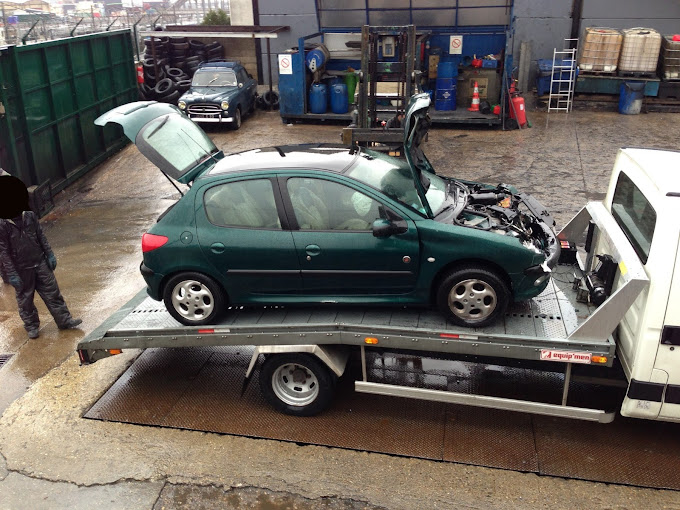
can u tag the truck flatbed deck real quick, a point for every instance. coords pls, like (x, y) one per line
(528, 329)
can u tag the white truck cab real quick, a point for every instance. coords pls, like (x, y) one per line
(644, 199)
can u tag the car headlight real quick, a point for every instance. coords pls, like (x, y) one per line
(182, 105)
(225, 105)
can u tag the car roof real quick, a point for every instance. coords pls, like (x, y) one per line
(224, 64)
(300, 157)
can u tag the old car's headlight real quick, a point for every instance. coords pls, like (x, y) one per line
(225, 105)
(182, 105)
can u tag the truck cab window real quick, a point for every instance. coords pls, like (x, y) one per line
(635, 215)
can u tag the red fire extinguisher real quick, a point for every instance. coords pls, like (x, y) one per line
(140, 73)
(517, 110)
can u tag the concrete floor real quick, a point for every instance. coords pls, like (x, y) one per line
(52, 458)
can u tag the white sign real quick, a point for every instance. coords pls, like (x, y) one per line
(456, 45)
(565, 356)
(285, 64)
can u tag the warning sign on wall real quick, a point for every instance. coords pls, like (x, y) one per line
(456, 45)
(285, 64)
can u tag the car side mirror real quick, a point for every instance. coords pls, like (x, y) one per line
(240, 85)
(387, 228)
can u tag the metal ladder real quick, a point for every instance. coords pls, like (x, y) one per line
(563, 78)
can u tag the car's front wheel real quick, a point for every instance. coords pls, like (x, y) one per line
(473, 296)
(236, 123)
(297, 384)
(194, 299)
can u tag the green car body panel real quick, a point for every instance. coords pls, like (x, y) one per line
(443, 225)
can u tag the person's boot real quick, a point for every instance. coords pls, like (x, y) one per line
(33, 333)
(71, 323)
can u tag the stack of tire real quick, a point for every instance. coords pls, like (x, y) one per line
(175, 59)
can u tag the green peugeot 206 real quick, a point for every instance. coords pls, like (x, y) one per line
(316, 223)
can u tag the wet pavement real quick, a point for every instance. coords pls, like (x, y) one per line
(50, 457)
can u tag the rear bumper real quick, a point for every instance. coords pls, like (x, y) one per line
(153, 282)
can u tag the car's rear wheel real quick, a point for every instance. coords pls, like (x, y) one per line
(473, 296)
(297, 383)
(236, 123)
(194, 299)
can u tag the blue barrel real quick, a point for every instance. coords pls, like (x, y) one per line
(630, 100)
(329, 86)
(339, 99)
(318, 98)
(445, 97)
(447, 70)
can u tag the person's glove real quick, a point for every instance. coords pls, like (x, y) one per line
(14, 281)
(52, 261)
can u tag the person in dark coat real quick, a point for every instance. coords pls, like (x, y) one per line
(27, 259)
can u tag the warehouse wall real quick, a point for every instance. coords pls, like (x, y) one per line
(662, 15)
(547, 24)
(300, 15)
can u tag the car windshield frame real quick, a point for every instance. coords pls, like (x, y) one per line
(394, 179)
(215, 77)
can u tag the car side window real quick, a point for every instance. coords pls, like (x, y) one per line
(246, 204)
(319, 204)
(242, 76)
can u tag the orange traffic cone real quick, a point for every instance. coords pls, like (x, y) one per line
(475, 99)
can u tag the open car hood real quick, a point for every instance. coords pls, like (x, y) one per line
(416, 124)
(168, 138)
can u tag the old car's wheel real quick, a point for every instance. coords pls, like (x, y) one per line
(194, 299)
(473, 296)
(236, 123)
(298, 384)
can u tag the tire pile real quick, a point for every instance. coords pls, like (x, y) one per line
(176, 61)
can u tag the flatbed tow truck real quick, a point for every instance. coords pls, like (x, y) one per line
(612, 314)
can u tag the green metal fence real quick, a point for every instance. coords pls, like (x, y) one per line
(51, 93)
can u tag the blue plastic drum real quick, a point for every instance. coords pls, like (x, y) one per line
(339, 99)
(632, 94)
(445, 97)
(447, 70)
(318, 98)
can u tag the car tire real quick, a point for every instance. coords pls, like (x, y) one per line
(184, 85)
(297, 384)
(473, 296)
(271, 99)
(171, 98)
(164, 87)
(236, 123)
(194, 299)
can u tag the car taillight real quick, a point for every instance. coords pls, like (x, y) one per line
(152, 241)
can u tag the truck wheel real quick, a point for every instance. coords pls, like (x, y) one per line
(473, 296)
(194, 299)
(297, 384)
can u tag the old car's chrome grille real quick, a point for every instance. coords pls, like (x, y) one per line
(203, 109)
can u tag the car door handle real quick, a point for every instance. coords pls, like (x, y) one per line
(217, 248)
(312, 250)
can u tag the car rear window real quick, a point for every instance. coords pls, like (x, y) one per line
(635, 215)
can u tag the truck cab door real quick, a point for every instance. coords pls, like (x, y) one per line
(668, 355)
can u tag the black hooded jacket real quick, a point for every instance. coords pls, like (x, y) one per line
(23, 244)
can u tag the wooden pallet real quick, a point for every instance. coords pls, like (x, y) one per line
(636, 74)
(669, 89)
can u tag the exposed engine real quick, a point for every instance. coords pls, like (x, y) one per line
(504, 212)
